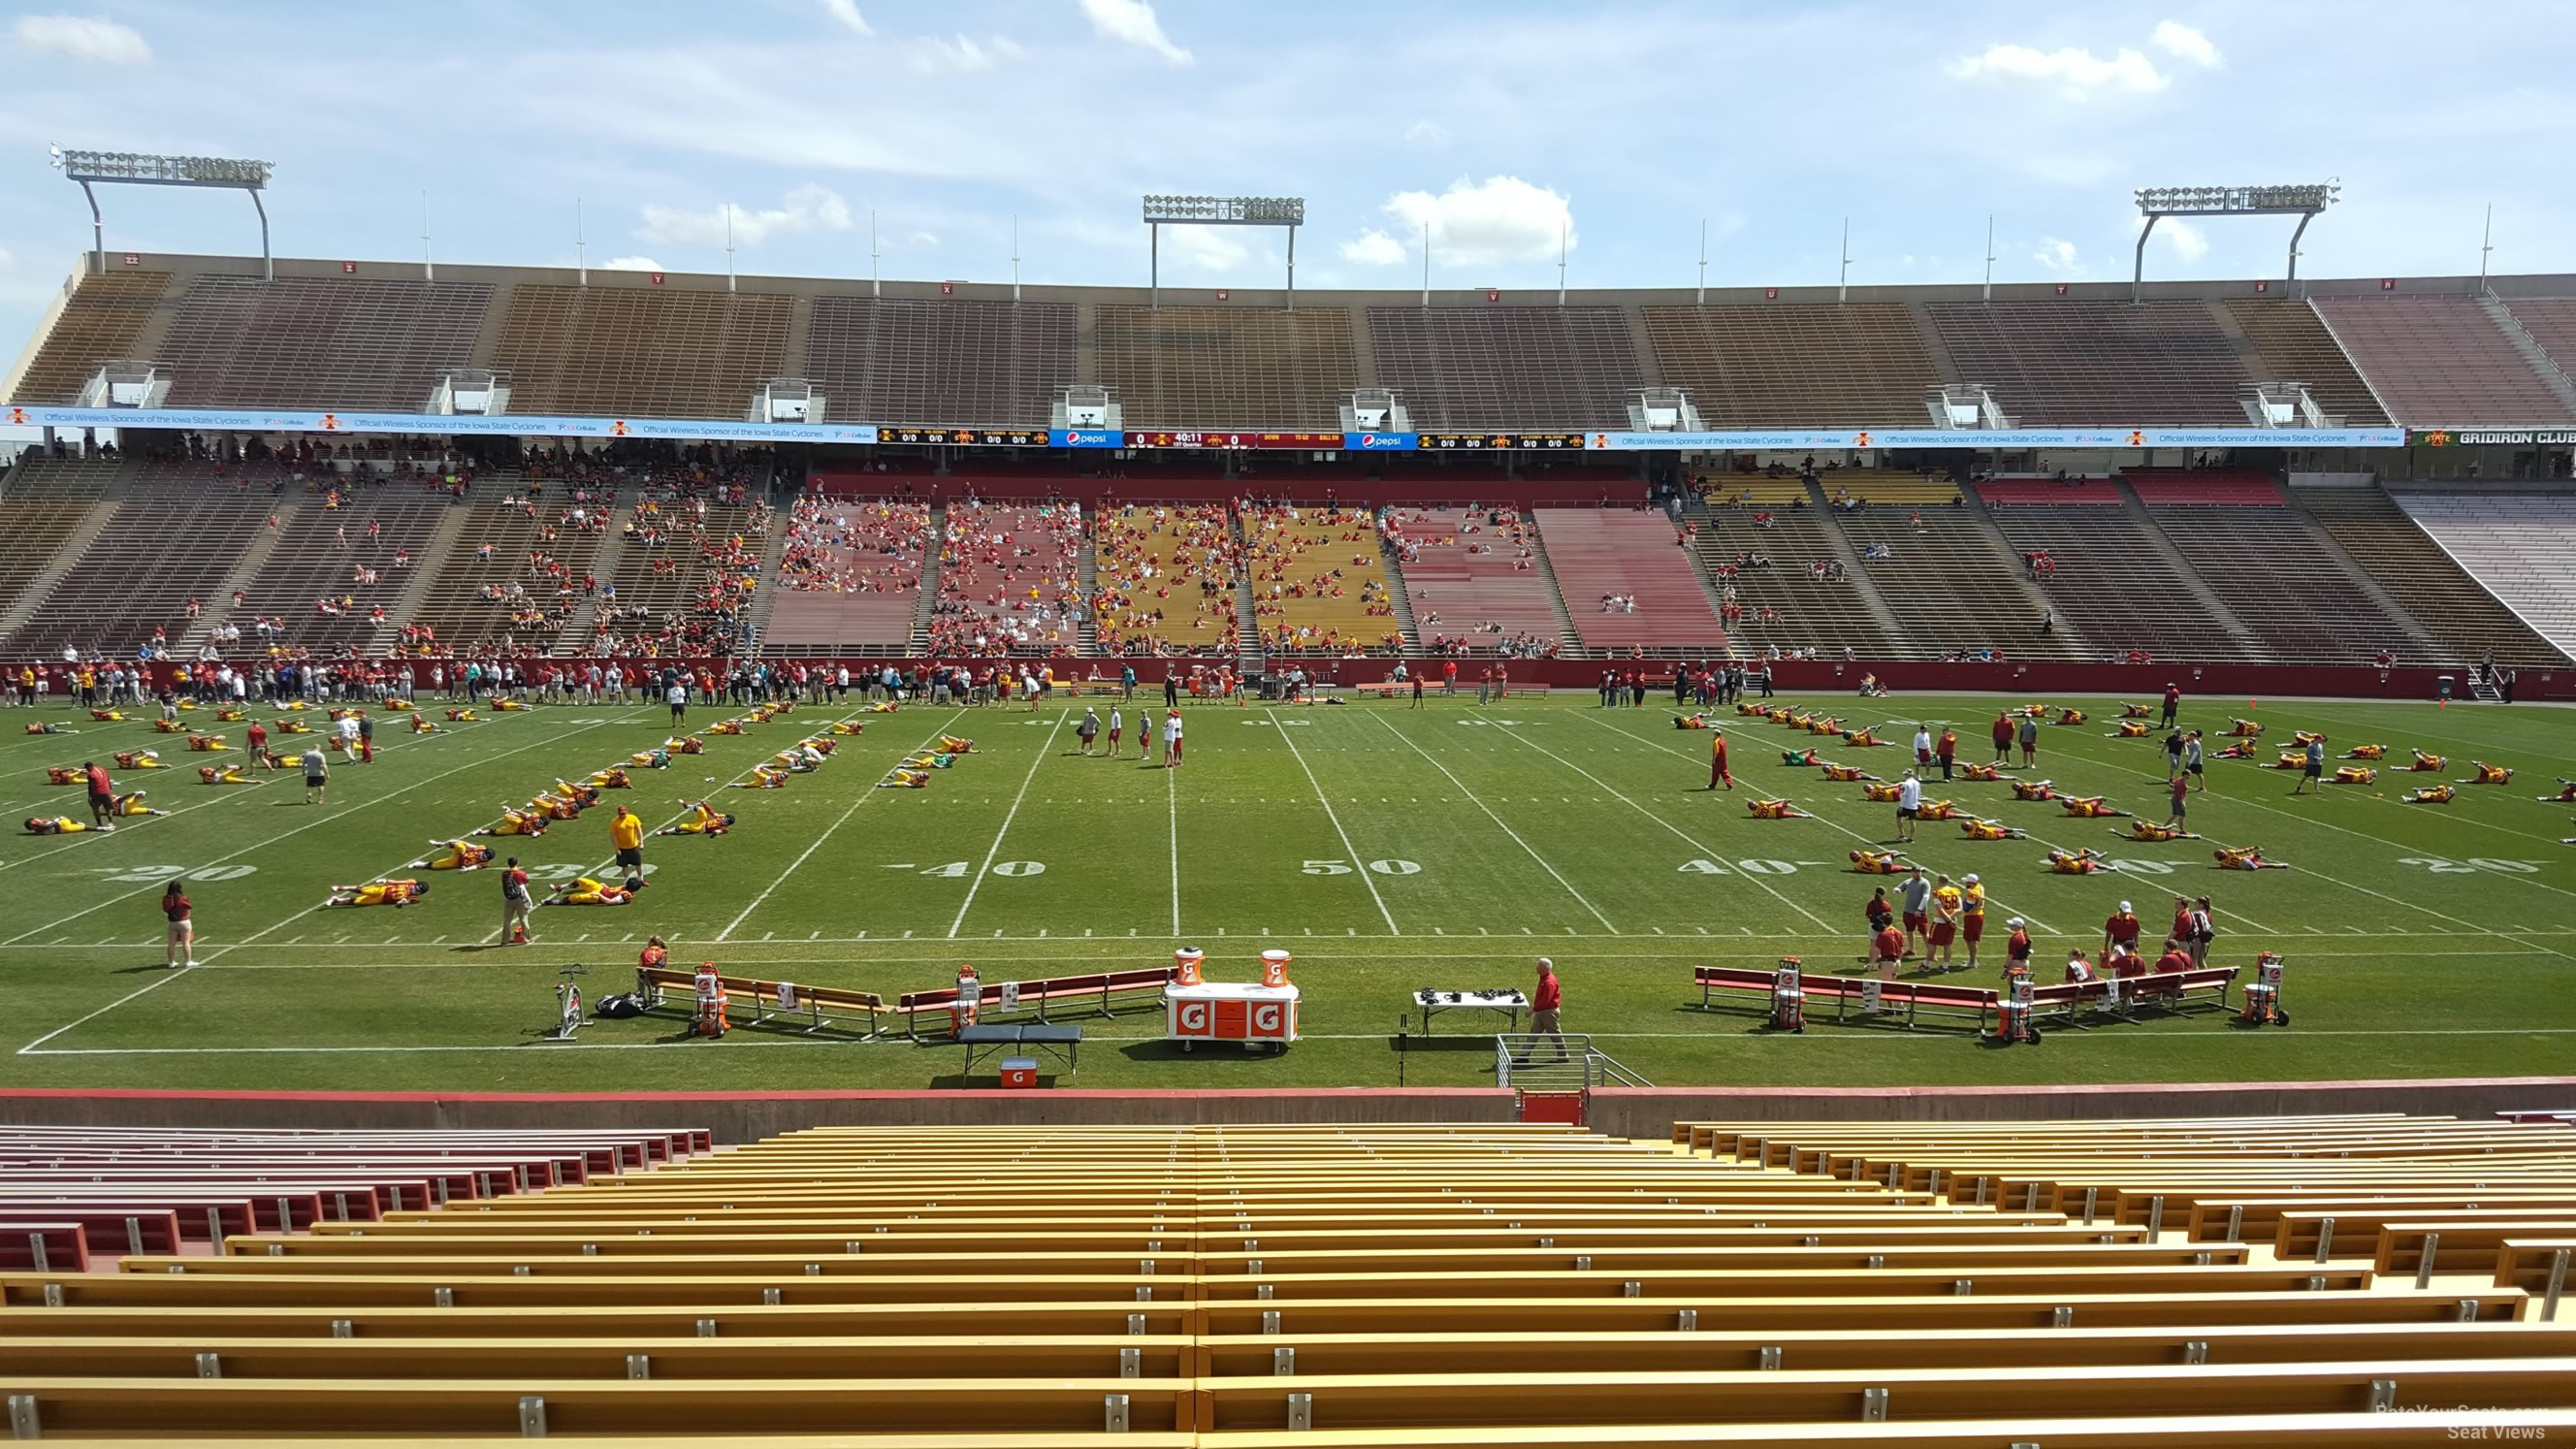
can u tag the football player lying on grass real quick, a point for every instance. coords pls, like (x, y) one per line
(1976, 829)
(1987, 773)
(1884, 792)
(554, 807)
(1775, 810)
(1879, 862)
(1799, 757)
(507, 706)
(610, 779)
(2366, 752)
(2033, 790)
(1936, 810)
(686, 745)
(394, 893)
(420, 725)
(2354, 775)
(2430, 795)
(107, 716)
(516, 822)
(725, 727)
(952, 745)
(2152, 833)
(131, 803)
(800, 760)
(224, 775)
(2127, 731)
(2090, 807)
(2244, 857)
(1829, 725)
(292, 727)
(58, 825)
(2487, 774)
(231, 716)
(139, 760)
(168, 727)
(460, 716)
(2077, 862)
(2132, 711)
(1847, 772)
(764, 777)
(704, 819)
(2241, 750)
(903, 779)
(64, 775)
(1691, 722)
(2304, 738)
(2566, 791)
(887, 707)
(849, 727)
(2070, 716)
(207, 744)
(654, 759)
(456, 855)
(2243, 729)
(583, 795)
(1861, 737)
(2428, 763)
(588, 892)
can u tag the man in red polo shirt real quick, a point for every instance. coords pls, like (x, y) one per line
(1544, 1004)
(2121, 930)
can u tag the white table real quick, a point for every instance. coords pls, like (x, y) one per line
(1243, 1011)
(1435, 1002)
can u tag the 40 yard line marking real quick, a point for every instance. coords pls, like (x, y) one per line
(1358, 865)
(977, 883)
(1478, 802)
(1172, 799)
(864, 797)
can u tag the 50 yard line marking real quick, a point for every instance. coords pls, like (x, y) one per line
(864, 797)
(977, 883)
(1479, 803)
(1357, 864)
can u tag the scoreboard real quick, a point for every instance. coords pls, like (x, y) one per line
(1490, 442)
(967, 437)
(1332, 442)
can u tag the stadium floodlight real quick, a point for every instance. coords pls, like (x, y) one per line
(1163, 211)
(127, 168)
(2304, 201)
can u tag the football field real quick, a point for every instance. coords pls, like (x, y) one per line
(1390, 848)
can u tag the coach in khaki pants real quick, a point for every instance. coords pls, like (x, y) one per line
(1544, 1004)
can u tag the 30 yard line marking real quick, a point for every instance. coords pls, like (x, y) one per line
(1358, 865)
(864, 797)
(977, 883)
(1668, 825)
(1478, 801)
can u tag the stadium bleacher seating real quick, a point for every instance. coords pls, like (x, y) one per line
(2296, 347)
(851, 577)
(2263, 558)
(1228, 368)
(170, 540)
(2114, 364)
(1605, 553)
(1167, 577)
(312, 560)
(1522, 368)
(1825, 617)
(2431, 585)
(1009, 579)
(1932, 548)
(456, 607)
(614, 351)
(102, 321)
(1794, 365)
(2111, 579)
(2520, 546)
(1975, 1283)
(946, 362)
(1468, 582)
(2551, 321)
(310, 342)
(2441, 362)
(1319, 581)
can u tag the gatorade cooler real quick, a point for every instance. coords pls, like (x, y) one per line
(1274, 968)
(1019, 1073)
(2263, 994)
(970, 998)
(1788, 996)
(1186, 966)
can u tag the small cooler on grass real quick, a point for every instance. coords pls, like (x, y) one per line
(1019, 1073)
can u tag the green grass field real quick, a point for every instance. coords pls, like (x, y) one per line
(1391, 849)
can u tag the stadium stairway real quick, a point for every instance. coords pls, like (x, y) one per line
(217, 606)
(2519, 338)
(2141, 518)
(1086, 572)
(773, 550)
(928, 591)
(1570, 640)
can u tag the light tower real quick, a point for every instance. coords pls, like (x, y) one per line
(90, 168)
(2158, 202)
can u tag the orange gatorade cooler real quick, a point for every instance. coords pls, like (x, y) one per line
(1274, 968)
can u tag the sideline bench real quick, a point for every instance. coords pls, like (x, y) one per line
(1913, 1000)
(1103, 987)
(769, 999)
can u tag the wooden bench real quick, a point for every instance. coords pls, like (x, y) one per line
(1911, 1000)
(2412, 1240)
(205, 1213)
(106, 1230)
(1103, 988)
(44, 1247)
(232, 1290)
(2542, 1266)
(811, 1002)
(1118, 1314)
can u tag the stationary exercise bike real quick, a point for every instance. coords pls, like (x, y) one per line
(568, 1011)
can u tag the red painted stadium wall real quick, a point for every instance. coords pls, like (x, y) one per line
(1441, 487)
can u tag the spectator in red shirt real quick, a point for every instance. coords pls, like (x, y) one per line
(182, 942)
(2175, 958)
(258, 745)
(102, 795)
(2121, 930)
(1544, 1005)
(2003, 738)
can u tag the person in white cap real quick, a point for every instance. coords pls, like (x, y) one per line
(1909, 803)
(1544, 1003)
(2121, 930)
(2017, 947)
(1972, 914)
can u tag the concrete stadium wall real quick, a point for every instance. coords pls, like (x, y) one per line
(1623, 1112)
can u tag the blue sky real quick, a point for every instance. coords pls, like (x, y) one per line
(1501, 125)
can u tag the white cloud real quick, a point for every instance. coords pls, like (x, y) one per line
(1426, 133)
(1373, 248)
(84, 37)
(847, 12)
(2186, 240)
(2177, 39)
(1501, 219)
(2058, 255)
(807, 208)
(924, 239)
(931, 55)
(2077, 72)
(633, 264)
(1132, 22)
(1204, 248)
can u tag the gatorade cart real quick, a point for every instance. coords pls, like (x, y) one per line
(2263, 994)
(1257, 1014)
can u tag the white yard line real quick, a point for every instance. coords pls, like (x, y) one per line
(1008, 816)
(144, 990)
(1357, 865)
(864, 797)
(1685, 837)
(1478, 801)
(328, 819)
(1172, 806)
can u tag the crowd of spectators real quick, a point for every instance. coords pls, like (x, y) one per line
(1167, 580)
(1009, 580)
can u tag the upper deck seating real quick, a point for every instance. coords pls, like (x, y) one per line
(2110, 364)
(2296, 347)
(1629, 586)
(1788, 364)
(1520, 368)
(313, 342)
(620, 351)
(1227, 367)
(2441, 362)
(1472, 580)
(980, 364)
(101, 321)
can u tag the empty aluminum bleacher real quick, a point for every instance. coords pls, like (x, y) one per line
(2551, 321)
(945, 362)
(2521, 546)
(2296, 347)
(313, 342)
(2267, 564)
(1629, 555)
(312, 560)
(1515, 368)
(2112, 580)
(640, 351)
(101, 321)
(2454, 607)
(2112, 364)
(2441, 362)
(1947, 576)
(1226, 368)
(1786, 364)
(1827, 617)
(1466, 583)
(172, 540)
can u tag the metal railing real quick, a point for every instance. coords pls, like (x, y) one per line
(1545, 1062)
